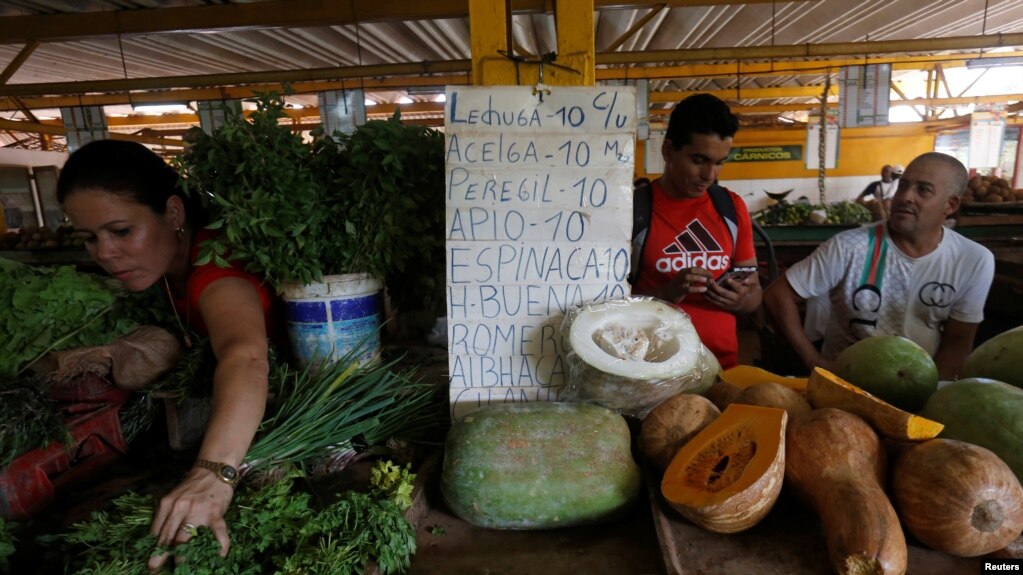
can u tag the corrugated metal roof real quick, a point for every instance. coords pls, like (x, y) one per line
(82, 55)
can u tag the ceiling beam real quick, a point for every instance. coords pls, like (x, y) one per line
(822, 50)
(378, 110)
(742, 93)
(814, 91)
(58, 130)
(18, 60)
(244, 78)
(273, 14)
(435, 110)
(740, 68)
(272, 80)
(454, 67)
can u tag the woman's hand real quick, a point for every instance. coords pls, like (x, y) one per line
(200, 500)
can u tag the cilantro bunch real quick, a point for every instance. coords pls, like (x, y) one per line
(275, 529)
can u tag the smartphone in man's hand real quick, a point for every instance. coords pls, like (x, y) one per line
(739, 274)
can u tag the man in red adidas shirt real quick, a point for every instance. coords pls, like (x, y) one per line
(689, 246)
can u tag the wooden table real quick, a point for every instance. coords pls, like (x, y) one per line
(789, 541)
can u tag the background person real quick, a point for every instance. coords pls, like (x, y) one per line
(908, 276)
(137, 225)
(689, 246)
(877, 196)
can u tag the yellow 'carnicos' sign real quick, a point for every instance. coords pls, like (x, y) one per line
(766, 154)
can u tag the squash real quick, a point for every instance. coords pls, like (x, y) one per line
(983, 412)
(773, 394)
(745, 376)
(998, 358)
(828, 390)
(722, 394)
(672, 424)
(539, 465)
(957, 498)
(631, 354)
(892, 367)
(835, 462)
(728, 477)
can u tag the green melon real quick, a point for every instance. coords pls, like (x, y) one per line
(998, 358)
(539, 465)
(983, 412)
(890, 367)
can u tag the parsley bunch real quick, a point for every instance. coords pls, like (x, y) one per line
(275, 529)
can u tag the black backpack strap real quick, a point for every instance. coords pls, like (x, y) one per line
(642, 207)
(726, 209)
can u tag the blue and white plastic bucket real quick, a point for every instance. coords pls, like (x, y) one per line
(329, 319)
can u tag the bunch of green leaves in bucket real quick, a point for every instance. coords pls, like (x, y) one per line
(326, 221)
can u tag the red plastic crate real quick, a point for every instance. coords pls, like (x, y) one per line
(33, 480)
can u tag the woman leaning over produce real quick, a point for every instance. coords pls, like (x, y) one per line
(139, 227)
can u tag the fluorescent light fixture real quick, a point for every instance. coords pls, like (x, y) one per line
(162, 108)
(994, 62)
(404, 100)
(786, 120)
(424, 90)
(369, 102)
(441, 98)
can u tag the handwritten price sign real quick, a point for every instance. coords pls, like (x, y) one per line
(539, 217)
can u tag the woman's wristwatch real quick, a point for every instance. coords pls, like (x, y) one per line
(223, 471)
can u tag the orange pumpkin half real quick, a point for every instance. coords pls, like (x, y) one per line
(728, 477)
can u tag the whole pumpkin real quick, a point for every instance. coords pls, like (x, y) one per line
(957, 497)
(672, 424)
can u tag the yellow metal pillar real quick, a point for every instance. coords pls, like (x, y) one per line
(574, 24)
(491, 66)
(488, 39)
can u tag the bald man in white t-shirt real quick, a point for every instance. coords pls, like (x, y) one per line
(908, 275)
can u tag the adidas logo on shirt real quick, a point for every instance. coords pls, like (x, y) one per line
(694, 247)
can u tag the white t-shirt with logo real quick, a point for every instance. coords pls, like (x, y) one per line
(875, 289)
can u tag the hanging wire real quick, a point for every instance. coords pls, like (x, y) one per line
(124, 64)
(983, 29)
(358, 46)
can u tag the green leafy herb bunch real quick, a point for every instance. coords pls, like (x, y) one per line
(278, 528)
(255, 175)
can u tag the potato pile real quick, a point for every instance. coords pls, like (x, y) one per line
(33, 237)
(991, 189)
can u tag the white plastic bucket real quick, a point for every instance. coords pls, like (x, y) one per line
(329, 319)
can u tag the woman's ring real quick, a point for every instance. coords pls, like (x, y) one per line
(190, 528)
